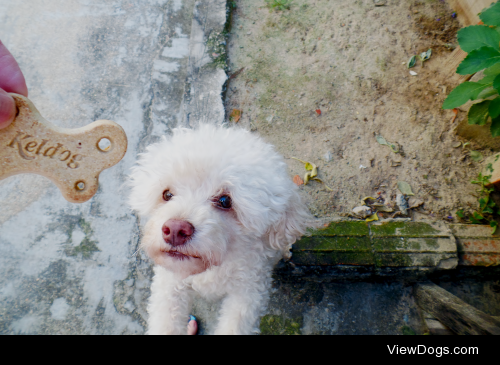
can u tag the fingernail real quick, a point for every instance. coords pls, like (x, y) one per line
(7, 109)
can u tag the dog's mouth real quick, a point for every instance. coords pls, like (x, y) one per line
(179, 255)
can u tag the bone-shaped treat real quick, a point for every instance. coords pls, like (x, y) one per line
(71, 158)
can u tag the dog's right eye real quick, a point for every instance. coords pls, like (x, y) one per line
(167, 195)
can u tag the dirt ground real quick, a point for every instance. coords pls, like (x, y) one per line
(347, 59)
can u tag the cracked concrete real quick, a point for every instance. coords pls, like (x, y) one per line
(69, 268)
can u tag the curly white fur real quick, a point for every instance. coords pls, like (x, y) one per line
(232, 252)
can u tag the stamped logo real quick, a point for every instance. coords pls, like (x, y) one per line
(29, 148)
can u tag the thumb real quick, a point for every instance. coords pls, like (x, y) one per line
(8, 109)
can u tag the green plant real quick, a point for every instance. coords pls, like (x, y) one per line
(482, 42)
(487, 207)
(279, 4)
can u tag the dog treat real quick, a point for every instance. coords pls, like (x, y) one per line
(71, 158)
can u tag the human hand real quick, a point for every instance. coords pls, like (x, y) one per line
(11, 81)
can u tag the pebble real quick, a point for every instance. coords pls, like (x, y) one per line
(402, 204)
(328, 156)
(362, 212)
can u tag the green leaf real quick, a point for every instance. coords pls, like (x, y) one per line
(381, 140)
(494, 109)
(479, 113)
(488, 210)
(487, 80)
(475, 221)
(491, 16)
(476, 156)
(482, 203)
(496, 83)
(405, 188)
(486, 93)
(477, 36)
(478, 60)
(493, 70)
(462, 94)
(495, 127)
(424, 56)
(412, 62)
(477, 216)
(494, 225)
(461, 214)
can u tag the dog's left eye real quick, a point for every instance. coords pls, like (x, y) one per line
(167, 195)
(224, 202)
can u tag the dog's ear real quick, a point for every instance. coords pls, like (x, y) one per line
(291, 226)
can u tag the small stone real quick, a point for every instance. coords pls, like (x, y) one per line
(363, 211)
(328, 156)
(402, 204)
(413, 73)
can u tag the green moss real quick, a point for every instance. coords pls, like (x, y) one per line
(431, 243)
(279, 326)
(87, 247)
(393, 260)
(354, 228)
(405, 229)
(216, 49)
(408, 331)
(311, 258)
(333, 244)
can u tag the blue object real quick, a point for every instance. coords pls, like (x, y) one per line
(192, 318)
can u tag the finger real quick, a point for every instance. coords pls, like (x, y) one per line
(11, 77)
(8, 109)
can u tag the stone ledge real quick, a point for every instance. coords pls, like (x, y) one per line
(476, 246)
(388, 247)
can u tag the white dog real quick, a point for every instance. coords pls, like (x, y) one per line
(222, 210)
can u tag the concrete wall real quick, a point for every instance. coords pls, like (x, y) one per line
(68, 268)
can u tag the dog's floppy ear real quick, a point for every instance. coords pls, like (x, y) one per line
(291, 226)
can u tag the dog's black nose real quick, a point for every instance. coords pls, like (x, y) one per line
(177, 232)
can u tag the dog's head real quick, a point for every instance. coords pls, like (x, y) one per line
(214, 194)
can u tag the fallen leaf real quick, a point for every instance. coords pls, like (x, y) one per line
(318, 111)
(297, 180)
(236, 73)
(476, 156)
(235, 115)
(412, 62)
(383, 208)
(405, 188)
(372, 218)
(312, 173)
(319, 180)
(381, 140)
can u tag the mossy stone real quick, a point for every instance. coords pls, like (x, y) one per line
(333, 244)
(278, 326)
(406, 229)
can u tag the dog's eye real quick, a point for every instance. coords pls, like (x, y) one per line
(225, 202)
(167, 195)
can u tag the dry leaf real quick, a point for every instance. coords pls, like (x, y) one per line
(372, 218)
(297, 180)
(455, 116)
(235, 115)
